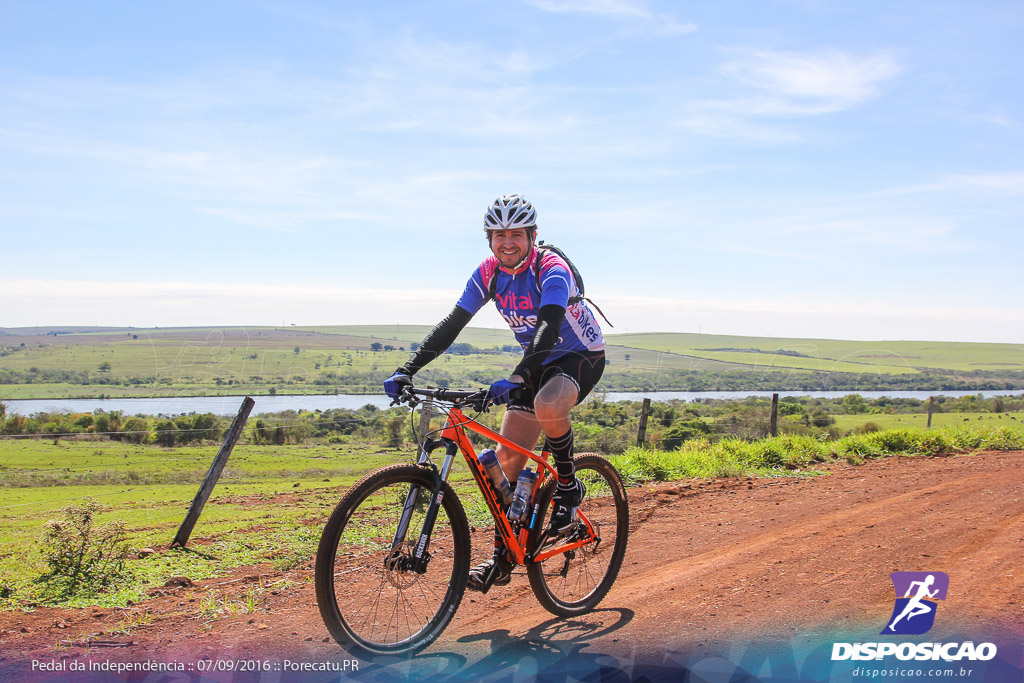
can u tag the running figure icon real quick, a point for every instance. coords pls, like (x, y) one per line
(916, 606)
(918, 594)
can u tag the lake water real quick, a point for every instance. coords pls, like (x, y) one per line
(228, 405)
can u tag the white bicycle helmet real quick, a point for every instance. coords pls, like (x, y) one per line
(510, 211)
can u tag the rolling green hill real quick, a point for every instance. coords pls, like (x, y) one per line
(56, 362)
(887, 356)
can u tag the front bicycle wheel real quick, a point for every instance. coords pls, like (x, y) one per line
(370, 596)
(574, 582)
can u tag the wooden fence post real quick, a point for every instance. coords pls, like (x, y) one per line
(931, 405)
(425, 412)
(642, 432)
(194, 510)
(773, 426)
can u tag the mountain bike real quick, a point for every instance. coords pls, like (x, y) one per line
(393, 559)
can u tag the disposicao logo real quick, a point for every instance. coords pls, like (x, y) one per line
(916, 595)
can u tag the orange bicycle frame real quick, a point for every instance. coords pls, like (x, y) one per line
(455, 431)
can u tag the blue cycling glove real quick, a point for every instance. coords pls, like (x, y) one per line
(394, 384)
(500, 390)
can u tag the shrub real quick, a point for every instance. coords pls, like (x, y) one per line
(83, 557)
(790, 407)
(391, 431)
(797, 450)
(788, 426)
(607, 440)
(683, 431)
(732, 457)
(192, 428)
(137, 429)
(166, 433)
(935, 443)
(821, 418)
(896, 441)
(638, 465)
(997, 438)
(15, 424)
(856, 447)
(866, 428)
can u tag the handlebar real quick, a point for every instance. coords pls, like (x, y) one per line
(452, 395)
(477, 398)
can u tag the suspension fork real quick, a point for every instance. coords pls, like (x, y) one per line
(420, 557)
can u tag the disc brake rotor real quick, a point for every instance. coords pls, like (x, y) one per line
(398, 565)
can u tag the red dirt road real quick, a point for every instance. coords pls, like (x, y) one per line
(711, 565)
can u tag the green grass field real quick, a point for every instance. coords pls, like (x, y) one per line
(845, 423)
(272, 501)
(269, 505)
(832, 354)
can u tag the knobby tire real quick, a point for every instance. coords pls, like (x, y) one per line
(573, 583)
(369, 608)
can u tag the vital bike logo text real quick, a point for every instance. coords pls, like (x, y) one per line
(916, 596)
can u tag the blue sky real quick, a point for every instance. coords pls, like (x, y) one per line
(805, 168)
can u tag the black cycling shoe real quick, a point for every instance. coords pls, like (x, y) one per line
(496, 571)
(565, 502)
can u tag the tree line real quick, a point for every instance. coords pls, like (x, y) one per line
(603, 426)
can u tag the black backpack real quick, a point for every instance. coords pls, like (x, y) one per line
(541, 248)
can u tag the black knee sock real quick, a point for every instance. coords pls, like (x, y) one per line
(560, 448)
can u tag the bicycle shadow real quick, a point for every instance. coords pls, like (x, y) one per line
(557, 649)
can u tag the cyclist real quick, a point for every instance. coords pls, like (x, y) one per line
(563, 356)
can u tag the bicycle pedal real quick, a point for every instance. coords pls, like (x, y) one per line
(487, 574)
(569, 531)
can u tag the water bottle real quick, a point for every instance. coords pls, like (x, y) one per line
(489, 460)
(520, 509)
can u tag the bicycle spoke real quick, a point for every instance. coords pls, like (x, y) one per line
(375, 600)
(574, 581)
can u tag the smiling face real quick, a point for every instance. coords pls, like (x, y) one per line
(510, 247)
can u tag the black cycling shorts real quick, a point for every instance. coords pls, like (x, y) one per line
(583, 368)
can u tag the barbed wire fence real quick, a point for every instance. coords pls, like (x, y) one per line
(18, 477)
(752, 425)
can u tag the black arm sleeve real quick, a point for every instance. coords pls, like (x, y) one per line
(549, 321)
(438, 340)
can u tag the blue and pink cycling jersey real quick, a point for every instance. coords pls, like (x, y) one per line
(518, 298)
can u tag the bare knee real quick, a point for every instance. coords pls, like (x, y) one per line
(553, 403)
(549, 412)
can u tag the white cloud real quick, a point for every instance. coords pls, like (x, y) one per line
(333, 151)
(818, 82)
(910, 234)
(618, 8)
(1012, 183)
(169, 303)
(621, 9)
(731, 119)
(995, 116)
(787, 85)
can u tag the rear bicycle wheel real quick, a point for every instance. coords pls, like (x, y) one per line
(371, 599)
(575, 581)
